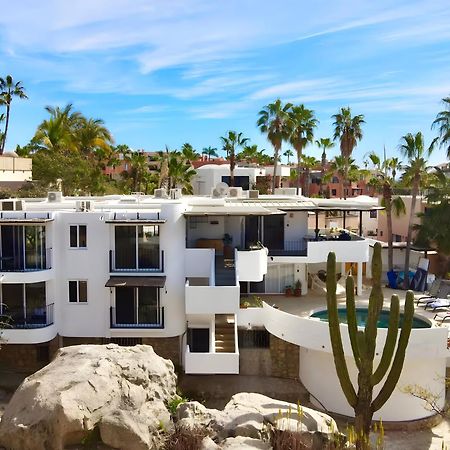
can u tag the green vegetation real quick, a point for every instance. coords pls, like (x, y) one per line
(230, 143)
(363, 345)
(173, 403)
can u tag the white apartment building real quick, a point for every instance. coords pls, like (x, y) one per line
(170, 273)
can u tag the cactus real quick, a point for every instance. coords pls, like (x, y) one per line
(363, 343)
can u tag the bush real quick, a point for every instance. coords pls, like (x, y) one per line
(183, 438)
(173, 403)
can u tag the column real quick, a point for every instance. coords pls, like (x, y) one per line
(343, 269)
(359, 278)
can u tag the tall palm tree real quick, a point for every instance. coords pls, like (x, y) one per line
(346, 169)
(302, 125)
(249, 153)
(348, 130)
(138, 169)
(289, 154)
(274, 121)
(94, 139)
(308, 163)
(412, 147)
(325, 144)
(8, 90)
(230, 144)
(189, 153)
(442, 122)
(180, 172)
(383, 180)
(209, 152)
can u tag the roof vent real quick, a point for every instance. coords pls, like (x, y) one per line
(253, 193)
(12, 205)
(84, 205)
(54, 196)
(175, 194)
(160, 193)
(235, 192)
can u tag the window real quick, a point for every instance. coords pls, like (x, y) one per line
(333, 192)
(78, 291)
(78, 236)
(373, 214)
(381, 233)
(335, 180)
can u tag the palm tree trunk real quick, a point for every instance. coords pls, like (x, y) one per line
(414, 193)
(5, 133)
(299, 155)
(275, 163)
(306, 183)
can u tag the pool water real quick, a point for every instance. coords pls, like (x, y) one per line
(361, 317)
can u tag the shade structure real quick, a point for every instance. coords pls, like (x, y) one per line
(136, 282)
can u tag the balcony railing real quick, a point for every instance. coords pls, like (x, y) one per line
(118, 322)
(152, 262)
(27, 262)
(16, 319)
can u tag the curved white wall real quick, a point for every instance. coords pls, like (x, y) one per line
(29, 335)
(425, 363)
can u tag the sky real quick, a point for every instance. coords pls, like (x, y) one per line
(166, 72)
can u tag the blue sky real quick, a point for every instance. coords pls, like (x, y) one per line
(168, 72)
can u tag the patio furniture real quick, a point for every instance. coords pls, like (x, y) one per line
(320, 286)
(443, 316)
(439, 303)
(433, 292)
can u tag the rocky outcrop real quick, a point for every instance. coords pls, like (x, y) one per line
(248, 418)
(119, 392)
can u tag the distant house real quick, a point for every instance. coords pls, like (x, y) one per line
(14, 170)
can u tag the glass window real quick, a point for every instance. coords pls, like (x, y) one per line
(78, 291)
(78, 236)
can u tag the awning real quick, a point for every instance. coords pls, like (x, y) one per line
(229, 210)
(136, 282)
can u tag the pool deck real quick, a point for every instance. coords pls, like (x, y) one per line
(305, 305)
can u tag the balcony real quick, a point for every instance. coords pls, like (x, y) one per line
(26, 262)
(211, 363)
(290, 248)
(149, 318)
(148, 261)
(18, 319)
(356, 249)
(251, 265)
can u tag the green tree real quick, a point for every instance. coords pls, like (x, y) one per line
(383, 180)
(274, 121)
(9, 89)
(230, 143)
(302, 124)
(325, 144)
(363, 345)
(412, 147)
(250, 154)
(345, 168)
(434, 229)
(189, 153)
(348, 130)
(289, 154)
(210, 152)
(442, 123)
(308, 163)
(137, 170)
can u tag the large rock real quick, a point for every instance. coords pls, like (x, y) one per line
(248, 415)
(120, 390)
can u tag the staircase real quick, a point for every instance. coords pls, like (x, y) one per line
(225, 272)
(225, 324)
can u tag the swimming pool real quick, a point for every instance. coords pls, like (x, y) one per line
(361, 316)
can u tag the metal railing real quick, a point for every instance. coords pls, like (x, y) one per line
(118, 322)
(19, 319)
(27, 262)
(154, 263)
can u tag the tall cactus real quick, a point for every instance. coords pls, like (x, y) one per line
(363, 343)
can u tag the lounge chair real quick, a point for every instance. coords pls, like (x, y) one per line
(320, 286)
(443, 315)
(432, 292)
(439, 303)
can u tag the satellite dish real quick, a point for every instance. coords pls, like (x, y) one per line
(222, 188)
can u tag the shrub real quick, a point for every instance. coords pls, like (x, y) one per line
(184, 438)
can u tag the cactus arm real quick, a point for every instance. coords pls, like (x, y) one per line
(335, 333)
(391, 340)
(351, 319)
(397, 364)
(375, 302)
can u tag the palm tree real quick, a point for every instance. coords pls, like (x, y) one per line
(325, 144)
(442, 122)
(189, 153)
(230, 144)
(383, 180)
(348, 130)
(274, 121)
(180, 172)
(302, 125)
(249, 153)
(8, 90)
(308, 163)
(138, 169)
(210, 151)
(94, 139)
(289, 154)
(344, 168)
(412, 147)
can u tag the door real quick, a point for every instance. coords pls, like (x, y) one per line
(274, 232)
(148, 311)
(125, 306)
(198, 340)
(252, 234)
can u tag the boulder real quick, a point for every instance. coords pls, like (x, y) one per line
(119, 391)
(244, 443)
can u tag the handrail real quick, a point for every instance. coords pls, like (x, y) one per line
(159, 267)
(17, 320)
(157, 325)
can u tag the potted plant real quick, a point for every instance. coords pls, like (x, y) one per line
(288, 291)
(298, 288)
(244, 303)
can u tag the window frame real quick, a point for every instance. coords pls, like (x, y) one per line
(78, 301)
(77, 226)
